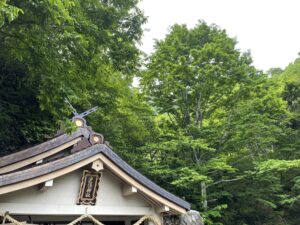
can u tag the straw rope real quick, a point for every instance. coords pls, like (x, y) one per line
(147, 217)
(83, 217)
(6, 216)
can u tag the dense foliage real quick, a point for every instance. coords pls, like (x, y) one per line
(229, 134)
(204, 123)
(81, 50)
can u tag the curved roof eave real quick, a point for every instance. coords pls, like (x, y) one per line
(37, 171)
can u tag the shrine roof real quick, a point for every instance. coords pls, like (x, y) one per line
(66, 151)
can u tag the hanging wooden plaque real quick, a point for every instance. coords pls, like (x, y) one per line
(88, 188)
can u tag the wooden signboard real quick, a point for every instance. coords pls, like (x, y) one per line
(88, 188)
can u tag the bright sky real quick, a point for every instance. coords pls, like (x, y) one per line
(270, 29)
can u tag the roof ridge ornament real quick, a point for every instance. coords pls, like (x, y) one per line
(80, 122)
(71, 107)
(78, 119)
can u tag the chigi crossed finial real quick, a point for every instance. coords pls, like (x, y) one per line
(78, 118)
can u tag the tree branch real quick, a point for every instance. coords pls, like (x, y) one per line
(222, 181)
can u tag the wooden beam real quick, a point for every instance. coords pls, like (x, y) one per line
(43, 147)
(39, 162)
(37, 158)
(46, 185)
(163, 209)
(129, 190)
(43, 178)
(83, 144)
(49, 167)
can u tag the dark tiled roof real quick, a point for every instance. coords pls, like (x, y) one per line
(41, 148)
(36, 171)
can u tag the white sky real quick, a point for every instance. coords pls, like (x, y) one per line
(270, 29)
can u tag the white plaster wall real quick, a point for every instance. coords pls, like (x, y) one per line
(61, 199)
(110, 193)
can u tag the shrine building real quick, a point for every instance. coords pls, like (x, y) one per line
(78, 179)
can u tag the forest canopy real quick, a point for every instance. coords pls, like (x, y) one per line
(204, 123)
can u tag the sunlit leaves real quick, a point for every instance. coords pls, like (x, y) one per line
(8, 12)
(189, 177)
(274, 165)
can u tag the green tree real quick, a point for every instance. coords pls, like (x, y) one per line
(220, 123)
(194, 71)
(194, 79)
(82, 50)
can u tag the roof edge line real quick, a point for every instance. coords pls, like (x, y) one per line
(141, 187)
(25, 162)
(41, 148)
(54, 174)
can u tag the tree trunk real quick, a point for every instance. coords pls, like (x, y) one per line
(203, 195)
(198, 114)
